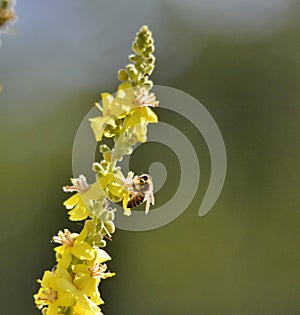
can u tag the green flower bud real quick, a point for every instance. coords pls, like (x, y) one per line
(122, 75)
(90, 225)
(104, 148)
(102, 243)
(110, 215)
(104, 164)
(151, 58)
(143, 80)
(143, 48)
(110, 226)
(107, 156)
(98, 168)
(132, 140)
(133, 73)
(150, 49)
(149, 69)
(97, 239)
(110, 131)
(148, 85)
(130, 67)
(133, 58)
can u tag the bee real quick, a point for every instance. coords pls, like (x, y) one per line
(141, 190)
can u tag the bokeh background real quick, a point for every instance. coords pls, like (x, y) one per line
(238, 58)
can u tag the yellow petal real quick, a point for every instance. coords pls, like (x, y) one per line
(116, 190)
(98, 124)
(140, 115)
(104, 181)
(72, 201)
(62, 285)
(85, 306)
(52, 309)
(115, 107)
(63, 273)
(82, 236)
(141, 132)
(82, 281)
(79, 213)
(125, 201)
(102, 256)
(46, 277)
(126, 95)
(66, 299)
(127, 87)
(65, 259)
(89, 286)
(95, 297)
(107, 100)
(83, 251)
(95, 192)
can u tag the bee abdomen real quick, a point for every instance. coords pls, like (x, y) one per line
(135, 200)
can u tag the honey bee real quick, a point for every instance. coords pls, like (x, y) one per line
(141, 190)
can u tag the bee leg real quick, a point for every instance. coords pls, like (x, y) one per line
(147, 207)
(152, 199)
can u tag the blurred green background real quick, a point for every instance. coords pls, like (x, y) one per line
(238, 58)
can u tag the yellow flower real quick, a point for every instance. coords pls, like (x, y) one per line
(118, 107)
(85, 306)
(73, 245)
(114, 185)
(113, 189)
(113, 110)
(79, 203)
(99, 124)
(98, 271)
(78, 211)
(128, 101)
(56, 291)
(88, 284)
(87, 279)
(140, 115)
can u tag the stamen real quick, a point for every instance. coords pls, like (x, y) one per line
(49, 295)
(64, 238)
(79, 185)
(146, 100)
(99, 270)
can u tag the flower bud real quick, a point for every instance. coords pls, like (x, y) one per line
(103, 148)
(110, 226)
(98, 168)
(107, 156)
(122, 75)
(90, 225)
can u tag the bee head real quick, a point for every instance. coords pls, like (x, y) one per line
(142, 183)
(145, 178)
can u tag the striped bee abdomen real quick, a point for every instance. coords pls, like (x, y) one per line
(135, 200)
